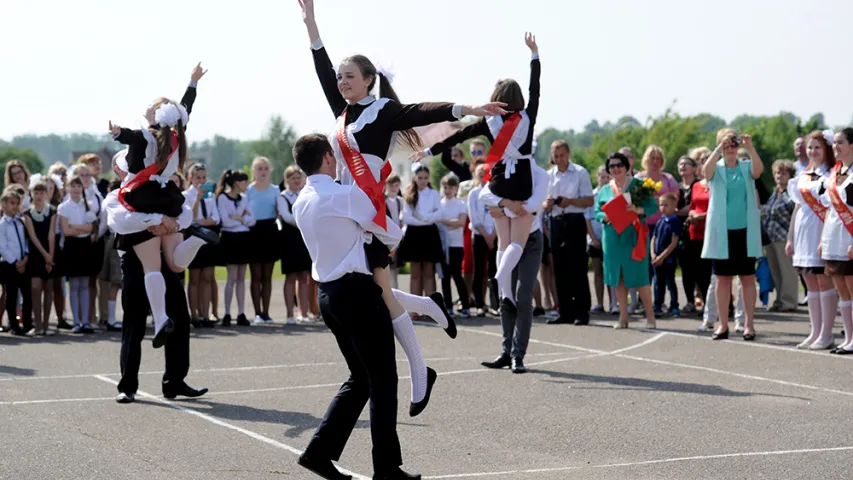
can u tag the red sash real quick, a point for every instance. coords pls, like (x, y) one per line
(638, 253)
(496, 153)
(360, 171)
(813, 203)
(843, 210)
(144, 176)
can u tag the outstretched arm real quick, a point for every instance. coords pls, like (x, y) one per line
(535, 72)
(475, 129)
(322, 63)
(189, 95)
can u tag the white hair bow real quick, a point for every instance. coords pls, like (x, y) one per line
(120, 160)
(829, 136)
(56, 180)
(416, 166)
(34, 179)
(169, 114)
(386, 72)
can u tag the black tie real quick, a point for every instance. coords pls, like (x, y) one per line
(203, 208)
(15, 223)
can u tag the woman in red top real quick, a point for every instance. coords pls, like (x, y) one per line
(696, 221)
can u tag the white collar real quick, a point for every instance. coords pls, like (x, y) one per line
(8, 219)
(319, 178)
(366, 100)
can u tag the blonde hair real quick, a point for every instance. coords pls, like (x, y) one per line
(89, 158)
(9, 193)
(784, 166)
(698, 154)
(647, 156)
(291, 171)
(259, 160)
(723, 133)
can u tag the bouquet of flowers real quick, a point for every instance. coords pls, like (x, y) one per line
(641, 192)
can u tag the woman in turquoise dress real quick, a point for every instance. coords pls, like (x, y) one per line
(620, 271)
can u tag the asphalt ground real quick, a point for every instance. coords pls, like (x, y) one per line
(597, 403)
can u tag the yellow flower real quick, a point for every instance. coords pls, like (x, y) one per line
(658, 186)
(648, 182)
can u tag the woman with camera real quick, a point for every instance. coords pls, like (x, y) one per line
(733, 224)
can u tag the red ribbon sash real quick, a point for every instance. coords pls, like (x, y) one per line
(843, 210)
(813, 203)
(638, 253)
(363, 176)
(144, 175)
(496, 153)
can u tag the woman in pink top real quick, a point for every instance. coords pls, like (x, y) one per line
(653, 162)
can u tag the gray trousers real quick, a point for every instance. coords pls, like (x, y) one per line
(516, 327)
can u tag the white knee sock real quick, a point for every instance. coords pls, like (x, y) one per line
(847, 318)
(507, 264)
(155, 288)
(498, 256)
(828, 310)
(404, 331)
(814, 320)
(421, 306)
(185, 251)
(111, 308)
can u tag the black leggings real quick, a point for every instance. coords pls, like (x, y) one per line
(695, 271)
(482, 257)
(261, 286)
(454, 270)
(14, 282)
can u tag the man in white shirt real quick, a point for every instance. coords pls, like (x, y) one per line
(800, 154)
(135, 305)
(516, 324)
(569, 195)
(335, 222)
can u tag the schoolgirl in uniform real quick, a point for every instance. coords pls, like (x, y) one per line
(295, 259)
(394, 209)
(509, 171)
(455, 217)
(40, 222)
(93, 196)
(58, 172)
(368, 131)
(421, 244)
(79, 225)
(265, 251)
(202, 268)
(236, 218)
(154, 154)
(804, 238)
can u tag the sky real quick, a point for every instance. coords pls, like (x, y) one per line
(74, 66)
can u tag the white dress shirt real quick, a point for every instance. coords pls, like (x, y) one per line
(395, 209)
(534, 203)
(228, 207)
(573, 183)
(13, 239)
(478, 212)
(426, 212)
(284, 212)
(451, 210)
(209, 203)
(335, 220)
(124, 222)
(77, 214)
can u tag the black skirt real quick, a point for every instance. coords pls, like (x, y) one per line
(519, 185)
(150, 197)
(208, 255)
(836, 267)
(738, 264)
(378, 254)
(236, 248)
(78, 256)
(294, 254)
(420, 244)
(265, 247)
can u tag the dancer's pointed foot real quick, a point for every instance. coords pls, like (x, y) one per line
(508, 306)
(205, 234)
(416, 408)
(438, 298)
(161, 336)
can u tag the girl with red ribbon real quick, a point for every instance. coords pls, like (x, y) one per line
(153, 155)
(836, 245)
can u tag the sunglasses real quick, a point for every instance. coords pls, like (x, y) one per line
(615, 165)
(477, 152)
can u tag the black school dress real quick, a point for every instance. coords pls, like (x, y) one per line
(208, 255)
(36, 266)
(294, 254)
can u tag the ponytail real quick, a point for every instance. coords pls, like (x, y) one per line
(225, 179)
(410, 137)
(412, 193)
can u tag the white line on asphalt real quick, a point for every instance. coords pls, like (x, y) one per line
(216, 421)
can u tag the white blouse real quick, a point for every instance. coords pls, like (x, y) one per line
(228, 207)
(77, 214)
(209, 203)
(451, 210)
(478, 212)
(284, 211)
(427, 210)
(808, 226)
(835, 238)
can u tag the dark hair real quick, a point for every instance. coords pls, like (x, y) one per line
(309, 150)
(509, 92)
(618, 156)
(411, 195)
(40, 186)
(450, 180)
(410, 137)
(688, 160)
(228, 179)
(114, 185)
(164, 140)
(848, 132)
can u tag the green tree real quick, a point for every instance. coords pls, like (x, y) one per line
(277, 145)
(29, 157)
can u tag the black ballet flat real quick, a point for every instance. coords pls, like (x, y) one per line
(205, 234)
(163, 335)
(438, 298)
(721, 335)
(508, 307)
(415, 409)
(748, 337)
(842, 351)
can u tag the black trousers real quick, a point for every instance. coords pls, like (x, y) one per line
(14, 282)
(568, 248)
(695, 271)
(454, 270)
(483, 256)
(353, 309)
(135, 305)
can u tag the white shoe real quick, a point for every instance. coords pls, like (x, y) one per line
(257, 320)
(705, 327)
(291, 321)
(738, 327)
(805, 344)
(819, 345)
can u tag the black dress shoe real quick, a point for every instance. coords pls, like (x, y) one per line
(501, 362)
(323, 468)
(226, 321)
(415, 409)
(162, 336)
(63, 325)
(518, 366)
(438, 298)
(720, 336)
(748, 337)
(125, 398)
(582, 321)
(113, 327)
(243, 321)
(183, 390)
(397, 474)
(538, 311)
(205, 234)
(560, 320)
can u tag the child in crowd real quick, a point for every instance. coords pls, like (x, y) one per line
(454, 216)
(40, 222)
(14, 252)
(394, 209)
(664, 242)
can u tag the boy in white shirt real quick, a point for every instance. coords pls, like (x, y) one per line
(454, 215)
